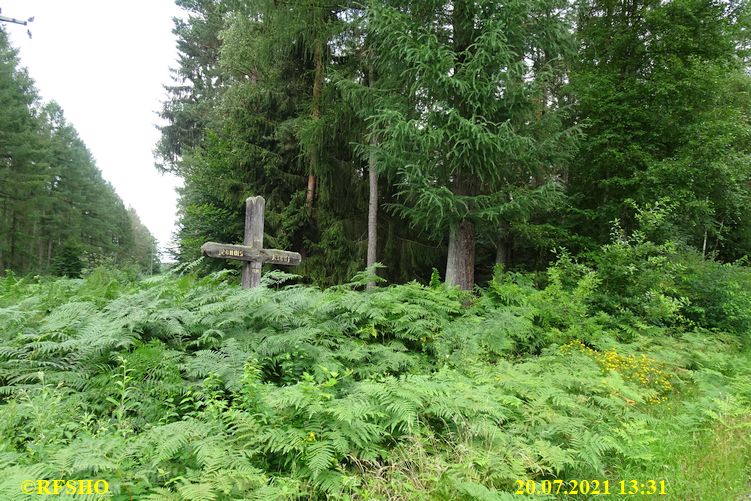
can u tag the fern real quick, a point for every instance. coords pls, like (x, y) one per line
(186, 388)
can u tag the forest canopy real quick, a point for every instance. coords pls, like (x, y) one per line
(57, 214)
(459, 134)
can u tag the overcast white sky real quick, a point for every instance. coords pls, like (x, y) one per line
(105, 63)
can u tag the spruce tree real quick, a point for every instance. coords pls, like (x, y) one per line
(68, 262)
(461, 128)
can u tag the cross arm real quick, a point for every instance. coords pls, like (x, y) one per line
(248, 253)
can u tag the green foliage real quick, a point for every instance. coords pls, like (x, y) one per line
(68, 262)
(182, 386)
(458, 137)
(669, 284)
(189, 388)
(663, 89)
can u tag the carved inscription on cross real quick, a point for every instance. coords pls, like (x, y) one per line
(252, 251)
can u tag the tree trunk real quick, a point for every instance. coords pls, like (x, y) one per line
(310, 192)
(316, 113)
(372, 209)
(40, 247)
(12, 253)
(460, 265)
(3, 220)
(373, 199)
(503, 247)
(503, 253)
(719, 235)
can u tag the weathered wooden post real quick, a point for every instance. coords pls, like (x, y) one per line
(254, 214)
(252, 251)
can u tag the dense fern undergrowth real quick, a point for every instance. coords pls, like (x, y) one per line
(184, 387)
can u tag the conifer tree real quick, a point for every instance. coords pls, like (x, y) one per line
(458, 130)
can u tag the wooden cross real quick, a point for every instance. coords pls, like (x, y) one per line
(252, 251)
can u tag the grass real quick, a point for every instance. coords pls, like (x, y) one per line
(709, 465)
(705, 463)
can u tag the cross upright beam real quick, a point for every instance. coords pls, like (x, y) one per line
(254, 209)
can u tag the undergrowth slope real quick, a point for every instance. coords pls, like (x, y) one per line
(178, 387)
